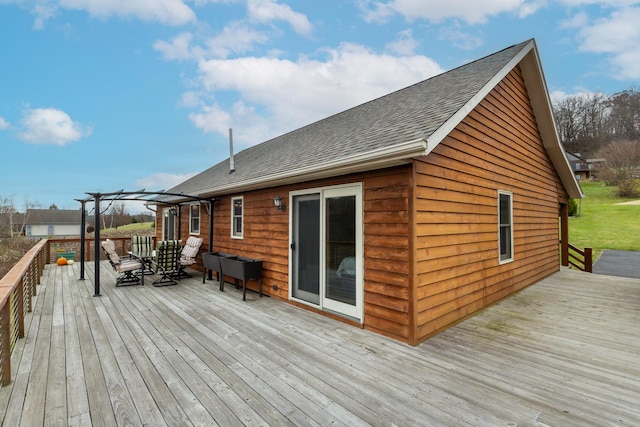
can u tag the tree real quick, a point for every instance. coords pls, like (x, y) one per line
(7, 216)
(119, 215)
(53, 207)
(582, 122)
(623, 161)
(624, 116)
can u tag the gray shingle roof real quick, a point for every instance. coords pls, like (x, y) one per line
(53, 216)
(409, 114)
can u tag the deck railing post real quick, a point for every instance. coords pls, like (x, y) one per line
(5, 345)
(19, 315)
(564, 233)
(588, 260)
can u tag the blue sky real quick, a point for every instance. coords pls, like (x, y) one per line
(102, 95)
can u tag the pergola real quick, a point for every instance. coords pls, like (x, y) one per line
(151, 197)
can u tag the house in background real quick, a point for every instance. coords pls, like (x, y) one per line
(406, 214)
(53, 223)
(579, 166)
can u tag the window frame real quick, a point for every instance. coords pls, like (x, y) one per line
(503, 257)
(234, 233)
(192, 229)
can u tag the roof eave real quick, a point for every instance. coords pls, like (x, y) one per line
(529, 62)
(541, 104)
(377, 159)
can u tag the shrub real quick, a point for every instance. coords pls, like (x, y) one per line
(573, 207)
(628, 188)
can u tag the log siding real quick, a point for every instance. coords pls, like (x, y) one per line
(496, 147)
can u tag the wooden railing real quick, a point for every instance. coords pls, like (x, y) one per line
(580, 259)
(17, 289)
(123, 244)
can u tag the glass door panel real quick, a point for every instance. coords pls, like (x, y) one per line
(305, 248)
(342, 266)
(340, 249)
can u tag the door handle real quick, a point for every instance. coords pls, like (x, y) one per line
(293, 246)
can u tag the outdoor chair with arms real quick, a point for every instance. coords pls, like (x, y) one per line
(127, 267)
(166, 262)
(188, 255)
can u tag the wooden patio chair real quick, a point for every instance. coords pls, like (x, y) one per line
(188, 255)
(167, 262)
(126, 267)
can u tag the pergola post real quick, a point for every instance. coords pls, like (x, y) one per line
(96, 281)
(83, 225)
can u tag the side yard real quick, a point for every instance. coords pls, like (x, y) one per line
(605, 221)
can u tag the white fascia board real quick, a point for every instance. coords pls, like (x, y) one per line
(534, 77)
(441, 133)
(375, 159)
(541, 103)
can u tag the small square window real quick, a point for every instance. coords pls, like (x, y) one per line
(194, 219)
(237, 218)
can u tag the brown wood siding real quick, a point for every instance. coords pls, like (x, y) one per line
(496, 147)
(386, 241)
(387, 262)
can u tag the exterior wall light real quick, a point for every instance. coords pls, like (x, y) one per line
(279, 204)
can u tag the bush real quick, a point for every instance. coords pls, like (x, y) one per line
(573, 207)
(628, 188)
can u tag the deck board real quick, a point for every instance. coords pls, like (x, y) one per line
(561, 352)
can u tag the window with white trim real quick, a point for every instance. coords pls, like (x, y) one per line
(237, 218)
(194, 218)
(505, 225)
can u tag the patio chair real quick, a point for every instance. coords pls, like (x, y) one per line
(188, 255)
(126, 267)
(141, 245)
(167, 262)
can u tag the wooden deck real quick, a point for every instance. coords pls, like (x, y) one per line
(565, 351)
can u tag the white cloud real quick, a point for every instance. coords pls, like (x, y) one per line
(170, 12)
(271, 10)
(476, 12)
(51, 126)
(579, 20)
(405, 44)
(277, 95)
(558, 96)
(162, 181)
(459, 38)
(235, 38)
(179, 48)
(619, 36)
(4, 124)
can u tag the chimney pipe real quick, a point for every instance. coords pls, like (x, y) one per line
(232, 166)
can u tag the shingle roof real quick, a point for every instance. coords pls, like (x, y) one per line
(410, 114)
(53, 216)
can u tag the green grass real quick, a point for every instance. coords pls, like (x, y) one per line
(136, 226)
(604, 223)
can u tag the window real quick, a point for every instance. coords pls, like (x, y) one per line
(236, 217)
(194, 219)
(505, 219)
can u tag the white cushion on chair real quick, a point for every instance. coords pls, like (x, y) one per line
(190, 250)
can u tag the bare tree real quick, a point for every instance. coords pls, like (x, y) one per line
(582, 122)
(624, 117)
(7, 216)
(623, 162)
(119, 215)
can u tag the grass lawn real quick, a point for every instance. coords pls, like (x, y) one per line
(604, 223)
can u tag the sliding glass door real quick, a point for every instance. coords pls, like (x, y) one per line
(326, 249)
